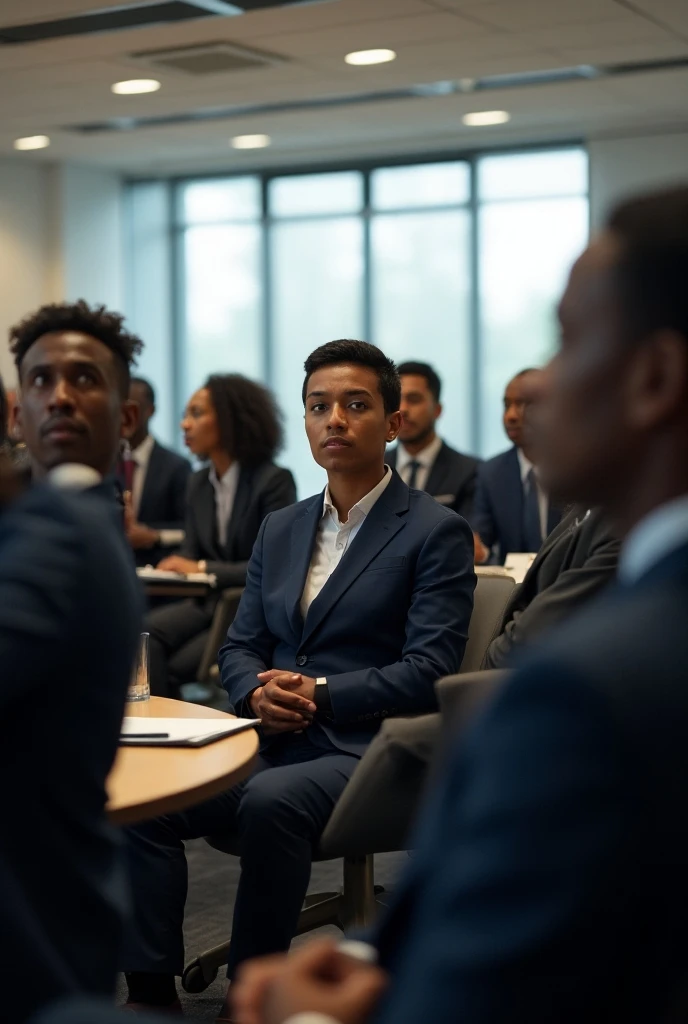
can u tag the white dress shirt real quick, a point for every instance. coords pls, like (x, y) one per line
(140, 457)
(225, 492)
(425, 458)
(657, 535)
(543, 501)
(334, 538)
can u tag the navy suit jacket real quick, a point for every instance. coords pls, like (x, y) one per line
(163, 500)
(391, 620)
(70, 615)
(498, 505)
(550, 880)
(451, 480)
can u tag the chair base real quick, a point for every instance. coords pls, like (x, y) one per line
(354, 906)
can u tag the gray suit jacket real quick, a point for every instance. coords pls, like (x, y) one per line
(574, 563)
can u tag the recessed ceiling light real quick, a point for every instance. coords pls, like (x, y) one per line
(361, 57)
(481, 118)
(32, 142)
(136, 86)
(251, 141)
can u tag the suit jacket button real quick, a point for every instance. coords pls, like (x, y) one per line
(302, 660)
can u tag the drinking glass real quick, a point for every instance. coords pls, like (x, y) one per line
(139, 686)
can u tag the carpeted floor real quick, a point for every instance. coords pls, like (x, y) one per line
(213, 880)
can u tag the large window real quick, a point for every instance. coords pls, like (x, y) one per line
(459, 263)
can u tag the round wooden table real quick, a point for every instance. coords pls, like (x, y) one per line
(147, 781)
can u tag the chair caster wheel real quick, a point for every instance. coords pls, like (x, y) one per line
(195, 979)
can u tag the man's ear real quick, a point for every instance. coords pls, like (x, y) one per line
(130, 419)
(438, 410)
(394, 426)
(659, 380)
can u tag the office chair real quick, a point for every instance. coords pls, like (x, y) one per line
(377, 807)
(207, 689)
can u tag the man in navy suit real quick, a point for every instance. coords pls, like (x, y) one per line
(70, 615)
(357, 600)
(160, 477)
(512, 509)
(550, 878)
(421, 458)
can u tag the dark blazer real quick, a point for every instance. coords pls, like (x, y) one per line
(163, 501)
(575, 562)
(260, 490)
(70, 614)
(392, 618)
(451, 480)
(550, 877)
(498, 505)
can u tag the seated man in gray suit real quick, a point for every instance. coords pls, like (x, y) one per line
(575, 563)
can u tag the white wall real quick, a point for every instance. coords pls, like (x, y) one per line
(623, 166)
(60, 238)
(24, 256)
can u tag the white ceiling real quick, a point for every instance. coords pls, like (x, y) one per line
(46, 87)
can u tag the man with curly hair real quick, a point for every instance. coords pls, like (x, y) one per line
(74, 362)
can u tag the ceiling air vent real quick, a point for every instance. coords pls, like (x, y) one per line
(206, 58)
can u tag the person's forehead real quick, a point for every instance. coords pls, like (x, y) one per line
(343, 377)
(68, 346)
(414, 382)
(200, 397)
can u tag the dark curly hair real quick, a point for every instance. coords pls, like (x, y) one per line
(249, 419)
(360, 353)
(97, 321)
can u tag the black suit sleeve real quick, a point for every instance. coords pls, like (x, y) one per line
(278, 492)
(482, 519)
(179, 486)
(190, 547)
(570, 590)
(466, 498)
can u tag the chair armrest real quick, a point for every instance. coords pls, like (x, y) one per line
(225, 611)
(377, 808)
(461, 695)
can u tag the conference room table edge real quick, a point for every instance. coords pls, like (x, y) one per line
(212, 769)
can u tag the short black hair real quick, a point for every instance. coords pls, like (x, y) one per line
(360, 353)
(423, 370)
(248, 416)
(97, 321)
(147, 387)
(652, 268)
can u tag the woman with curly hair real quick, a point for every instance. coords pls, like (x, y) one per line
(234, 425)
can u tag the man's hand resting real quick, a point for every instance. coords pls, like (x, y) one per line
(316, 979)
(284, 701)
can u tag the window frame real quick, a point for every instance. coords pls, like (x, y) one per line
(177, 227)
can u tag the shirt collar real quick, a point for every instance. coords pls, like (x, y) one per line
(142, 453)
(657, 535)
(366, 502)
(525, 464)
(425, 458)
(227, 479)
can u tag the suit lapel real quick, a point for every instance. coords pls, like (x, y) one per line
(437, 477)
(239, 509)
(383, 522)
(303, 534)
(207, 517)
(152, 474)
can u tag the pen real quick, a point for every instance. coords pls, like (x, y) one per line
(145, 735)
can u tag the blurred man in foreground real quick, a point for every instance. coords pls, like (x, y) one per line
(550, 877)
(70, 613)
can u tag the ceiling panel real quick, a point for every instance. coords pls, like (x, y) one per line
(45, 88)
